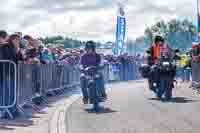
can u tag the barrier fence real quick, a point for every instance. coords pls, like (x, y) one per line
(195, 75)
(122, 72)
(8, 85)
(21, 84)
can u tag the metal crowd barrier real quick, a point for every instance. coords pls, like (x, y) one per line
(122, 72)
(22, 83)
(196, 75)
(25, 85)
(183, 74)
(8, 86)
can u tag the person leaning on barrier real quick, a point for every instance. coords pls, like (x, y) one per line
(9, 50)
(9, 47)
(91, 58)
(185, 65)
(189, 58)
(4, 45)
(14, 42)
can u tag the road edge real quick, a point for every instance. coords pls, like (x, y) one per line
(57, 123)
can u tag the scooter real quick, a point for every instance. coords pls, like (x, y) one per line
(95, 97)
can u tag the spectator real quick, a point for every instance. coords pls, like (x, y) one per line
(46, 56)
(19, 33)
(3, 37)
(31, 41)
(8, 51)
(24, 43)
(18, 53)
(53, 52)
(32, 51)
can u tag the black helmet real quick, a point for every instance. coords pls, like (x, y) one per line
(177, 50)
(159, 39)
(90, 45)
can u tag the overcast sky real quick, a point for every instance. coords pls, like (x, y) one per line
(88, 19)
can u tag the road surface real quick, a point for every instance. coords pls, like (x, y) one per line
(132, 108)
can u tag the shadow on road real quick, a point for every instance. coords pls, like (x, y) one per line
(101, 111)
(11, 125)
(6, 128)
(40, 108)
(175, 100)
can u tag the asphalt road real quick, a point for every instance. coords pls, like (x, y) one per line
(133, 109)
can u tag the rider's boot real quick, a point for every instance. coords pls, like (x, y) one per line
(104, 95)
(85, 100)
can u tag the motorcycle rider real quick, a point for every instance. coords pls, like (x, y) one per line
(154, 55)
(88, 59)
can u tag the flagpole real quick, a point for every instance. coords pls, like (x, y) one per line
(197, 6)
(198, 15)
(198, 20)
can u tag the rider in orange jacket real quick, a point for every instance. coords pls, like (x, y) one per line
(158, 49)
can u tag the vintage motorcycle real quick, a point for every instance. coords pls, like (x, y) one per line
(95, 95)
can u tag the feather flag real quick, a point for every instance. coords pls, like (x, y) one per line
(120, 33)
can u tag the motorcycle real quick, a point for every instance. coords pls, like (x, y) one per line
(165, 82)
(160, 77)
(95, 97)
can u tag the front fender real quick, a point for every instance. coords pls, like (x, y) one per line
(91, 83)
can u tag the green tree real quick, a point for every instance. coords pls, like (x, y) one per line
(178, 34)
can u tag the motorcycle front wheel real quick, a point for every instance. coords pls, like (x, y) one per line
(168, 93)
(94, 96)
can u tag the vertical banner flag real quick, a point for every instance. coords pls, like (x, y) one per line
(198, 17)
(120, 33)
(198, 22)
(198, 28)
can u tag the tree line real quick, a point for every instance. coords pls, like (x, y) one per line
(177, 33)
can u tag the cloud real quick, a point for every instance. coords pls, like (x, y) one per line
(91, 19)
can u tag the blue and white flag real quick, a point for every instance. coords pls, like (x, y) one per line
(120, 35)
(198, 28)
(198, 23)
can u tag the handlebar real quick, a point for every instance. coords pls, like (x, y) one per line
(82, 68)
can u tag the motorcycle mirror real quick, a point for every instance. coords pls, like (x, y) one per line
(177, 51)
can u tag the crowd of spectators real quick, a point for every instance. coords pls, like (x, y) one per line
(28, 50)
(123, 58)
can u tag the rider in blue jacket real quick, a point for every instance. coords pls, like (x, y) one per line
(91, 58)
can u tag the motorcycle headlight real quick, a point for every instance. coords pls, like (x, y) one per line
(165, 63)
(82, 75)
(144, 65)
(97, 76)
(88, 78)
(154, 85)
